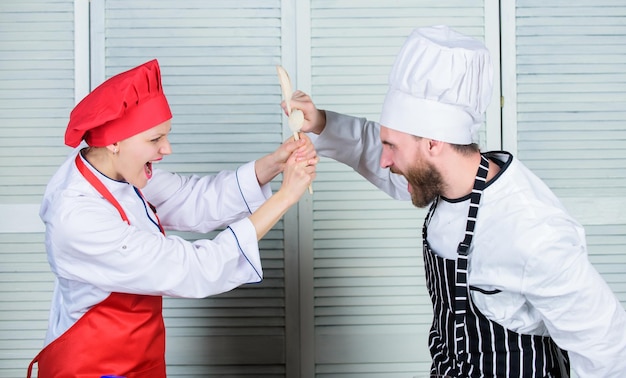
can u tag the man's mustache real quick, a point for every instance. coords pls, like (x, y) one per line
(397, 172)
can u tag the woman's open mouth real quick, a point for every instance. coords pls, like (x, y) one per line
(148, 169)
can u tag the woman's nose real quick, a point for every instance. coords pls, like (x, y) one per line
(166, 149)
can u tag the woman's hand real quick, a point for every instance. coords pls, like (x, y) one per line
(271, 165)
(299, 171)
(298, 175)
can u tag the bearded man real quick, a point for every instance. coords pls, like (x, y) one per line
(513, 291)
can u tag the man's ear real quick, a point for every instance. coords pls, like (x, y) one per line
(435, 147)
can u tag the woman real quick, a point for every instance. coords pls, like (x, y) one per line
(107, 246)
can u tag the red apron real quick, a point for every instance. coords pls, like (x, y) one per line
(122, 335)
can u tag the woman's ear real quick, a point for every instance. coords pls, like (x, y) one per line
(113, 148)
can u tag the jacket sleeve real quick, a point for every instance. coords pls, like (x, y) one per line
(94, 245)
(203, 204)
(580, 311)
(356, 143)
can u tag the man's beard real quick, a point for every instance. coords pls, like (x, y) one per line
(426, 184)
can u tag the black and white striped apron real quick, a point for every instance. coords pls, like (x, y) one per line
(462, 341)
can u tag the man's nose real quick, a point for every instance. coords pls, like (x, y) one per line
(385, 159)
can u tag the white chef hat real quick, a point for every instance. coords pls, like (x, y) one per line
(439, 86)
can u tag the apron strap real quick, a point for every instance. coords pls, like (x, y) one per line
(154, 211)
(99, 186)
(30, 366)
(461, 285)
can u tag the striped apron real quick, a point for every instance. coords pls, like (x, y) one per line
(462, 341)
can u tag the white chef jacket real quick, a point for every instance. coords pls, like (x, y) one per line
(93, 252)
(525, 244)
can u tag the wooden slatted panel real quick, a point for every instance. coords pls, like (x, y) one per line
(218, 66)
(36, 96)
(571, 92)
(571, 78)
(25, 290)
(608, 243)
(36, 93)
(372, 310)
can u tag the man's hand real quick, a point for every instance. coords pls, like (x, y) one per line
(314, 119)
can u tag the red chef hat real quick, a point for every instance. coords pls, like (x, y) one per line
(124, 105)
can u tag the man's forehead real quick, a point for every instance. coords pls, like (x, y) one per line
(393, 136)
